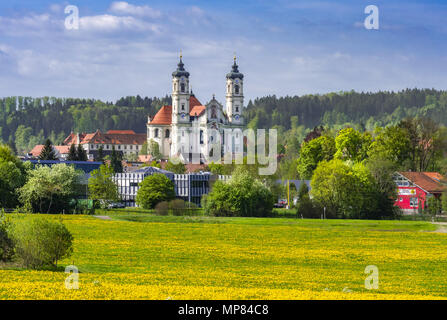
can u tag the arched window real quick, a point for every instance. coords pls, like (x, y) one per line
(236, 89)
(156, 133)
(167, 133)
(182, 87)
(229, 89)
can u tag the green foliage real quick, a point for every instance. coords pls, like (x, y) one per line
(154, 189)
(72, 153)
(153, 149)
(391, 143)
(351, 191)
(42, 242)
(47, 152)
(144, 149)
(177, 207)
(433, 206)
(242, 195)
(115, 161)
(81, 153)
(178, 168)
(352, 145)
(12, 177)
(6, 242)
(50, 189)
(313, 152)
(101, 186)
(305, 207)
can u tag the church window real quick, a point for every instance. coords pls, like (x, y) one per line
(183, 106)
(237, 108)
(213, 112)
(167, 133)
(229, 88)
(201, 136)
(182, 87)
(236, 89)
(156, 133)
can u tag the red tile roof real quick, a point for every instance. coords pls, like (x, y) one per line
(163, 116)
(121, 132)
(426, 180)
(197, 111)
(195, 107)
(35, 152)
(111, 137)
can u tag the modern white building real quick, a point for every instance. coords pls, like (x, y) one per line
(187, 118)
(189, 187)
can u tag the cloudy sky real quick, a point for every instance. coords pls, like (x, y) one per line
(284, 47)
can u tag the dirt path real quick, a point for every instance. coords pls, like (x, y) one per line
(103, 217)
(442, 227)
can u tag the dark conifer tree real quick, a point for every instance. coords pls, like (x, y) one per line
(82, 154)
(115, 161)
(47, 152)
(72, 153)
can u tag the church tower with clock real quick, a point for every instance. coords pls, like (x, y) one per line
(235, 95)
(172, 125)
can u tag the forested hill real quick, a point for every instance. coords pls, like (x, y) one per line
(366, 110)
(27, 121)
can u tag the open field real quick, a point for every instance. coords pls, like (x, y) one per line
(141, 256)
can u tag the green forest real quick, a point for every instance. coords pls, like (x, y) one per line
(27, 121)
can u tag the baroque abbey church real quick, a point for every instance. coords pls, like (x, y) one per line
(187, 114)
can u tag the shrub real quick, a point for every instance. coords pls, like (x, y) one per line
(242, 195)
(154, 189)
(162, 208)
(178, 207)
(42, 242)
(6, 243)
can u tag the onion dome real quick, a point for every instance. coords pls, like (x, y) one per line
(180, 72)
(235, 72)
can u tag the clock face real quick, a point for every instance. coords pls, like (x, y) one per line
(236, 117)
(237, 81)
(183, 116)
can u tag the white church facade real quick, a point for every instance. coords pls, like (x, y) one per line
(187, 129)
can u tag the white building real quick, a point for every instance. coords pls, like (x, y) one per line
(172, 125)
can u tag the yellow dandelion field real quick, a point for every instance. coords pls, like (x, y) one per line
(241, 258)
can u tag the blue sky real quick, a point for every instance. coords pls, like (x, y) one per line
(284, 47)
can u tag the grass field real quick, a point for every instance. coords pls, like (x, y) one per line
(141, 256)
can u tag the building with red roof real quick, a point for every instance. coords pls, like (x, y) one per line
(61, 152)
(124, 141)
(188, 129)
(415, 188)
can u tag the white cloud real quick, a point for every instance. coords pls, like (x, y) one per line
(122, 7)
(108, 22)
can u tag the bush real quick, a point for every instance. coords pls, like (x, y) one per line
(162, 208)
(154, 189)
(177, 207)
(42, 242)
(6, 243)
(243, 195)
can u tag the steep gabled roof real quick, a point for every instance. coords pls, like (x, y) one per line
(163, 116)
(111, 137)
(36, 151)
(426, 180)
